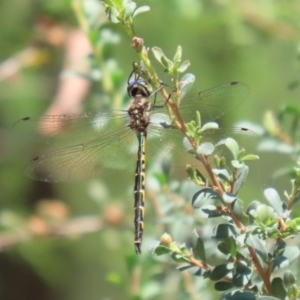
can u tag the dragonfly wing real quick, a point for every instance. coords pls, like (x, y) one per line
(67, 130)
(168, 143)
(87, 160)
(212, 103)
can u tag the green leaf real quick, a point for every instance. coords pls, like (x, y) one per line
(178, 55)
(297, 197)
(294, 223)
(249, 157)
(293, 292)
(242, 275)
(209, 125)
(289, 278)
(251, 210)
(274, 199)
(196, 271)
(253, 206)
(129, 9)
(259, 247)
(223, 248)
(264, 213)
(222, 174)
(179, 258)
(238, 210)
(161, 249)
(198, 246)
(237, 164)
(239, 295)
(203, 196)
(232, 145)
(185, 84)
(195, 175)
(222, 286)
(241, 176)
(221, 271)
(267, 298)
(205, 149)
(184, 66)
(112, 14)
(224, 230)
(228, 246)
(291, 252)
(141, 10)
(278, 288)
(228, 197)
(279, 247)
(160, 57)
(273, 232)
(184, 267)
(183, 249)
(291, 109)
(280, 262)
(166, 62)
(210, 211)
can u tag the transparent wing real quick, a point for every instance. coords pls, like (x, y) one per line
(79, 146)
(67, 130)
(88, 160)
(213, 103)
(89, 144)
(168, 143)
(114, 147)
(174, 154)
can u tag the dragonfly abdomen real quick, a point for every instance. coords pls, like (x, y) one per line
(139, 192)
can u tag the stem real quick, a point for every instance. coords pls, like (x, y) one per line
(135, 280)
(199, 264)
(190, 285)
(260, 270)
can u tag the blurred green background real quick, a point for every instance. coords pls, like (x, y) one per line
(256, 42)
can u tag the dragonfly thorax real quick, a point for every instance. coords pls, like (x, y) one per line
(139, 113)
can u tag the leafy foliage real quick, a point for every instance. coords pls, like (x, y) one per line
(245, 250)
(248, 261)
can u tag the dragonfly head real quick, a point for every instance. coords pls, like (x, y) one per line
(139, 86)
(137, 89)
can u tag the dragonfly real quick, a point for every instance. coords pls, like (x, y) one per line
(89, 145)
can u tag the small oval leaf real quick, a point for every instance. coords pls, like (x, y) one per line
(224, 230)
(205, 149)
(222, 286)
(219, 272)
(183, 67)
(289, 278)
(264, 213)
(278, 288)
(280, 262)
(209, 125)
(273, 198)
(204, 195)
(198, 246)
(241, 176)
(291, 252)
(239, 295)
(141, 10)
(233, 146)
(185, 84)
(157, 52)
(129, 10)
(228, 197)
(208, 211)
